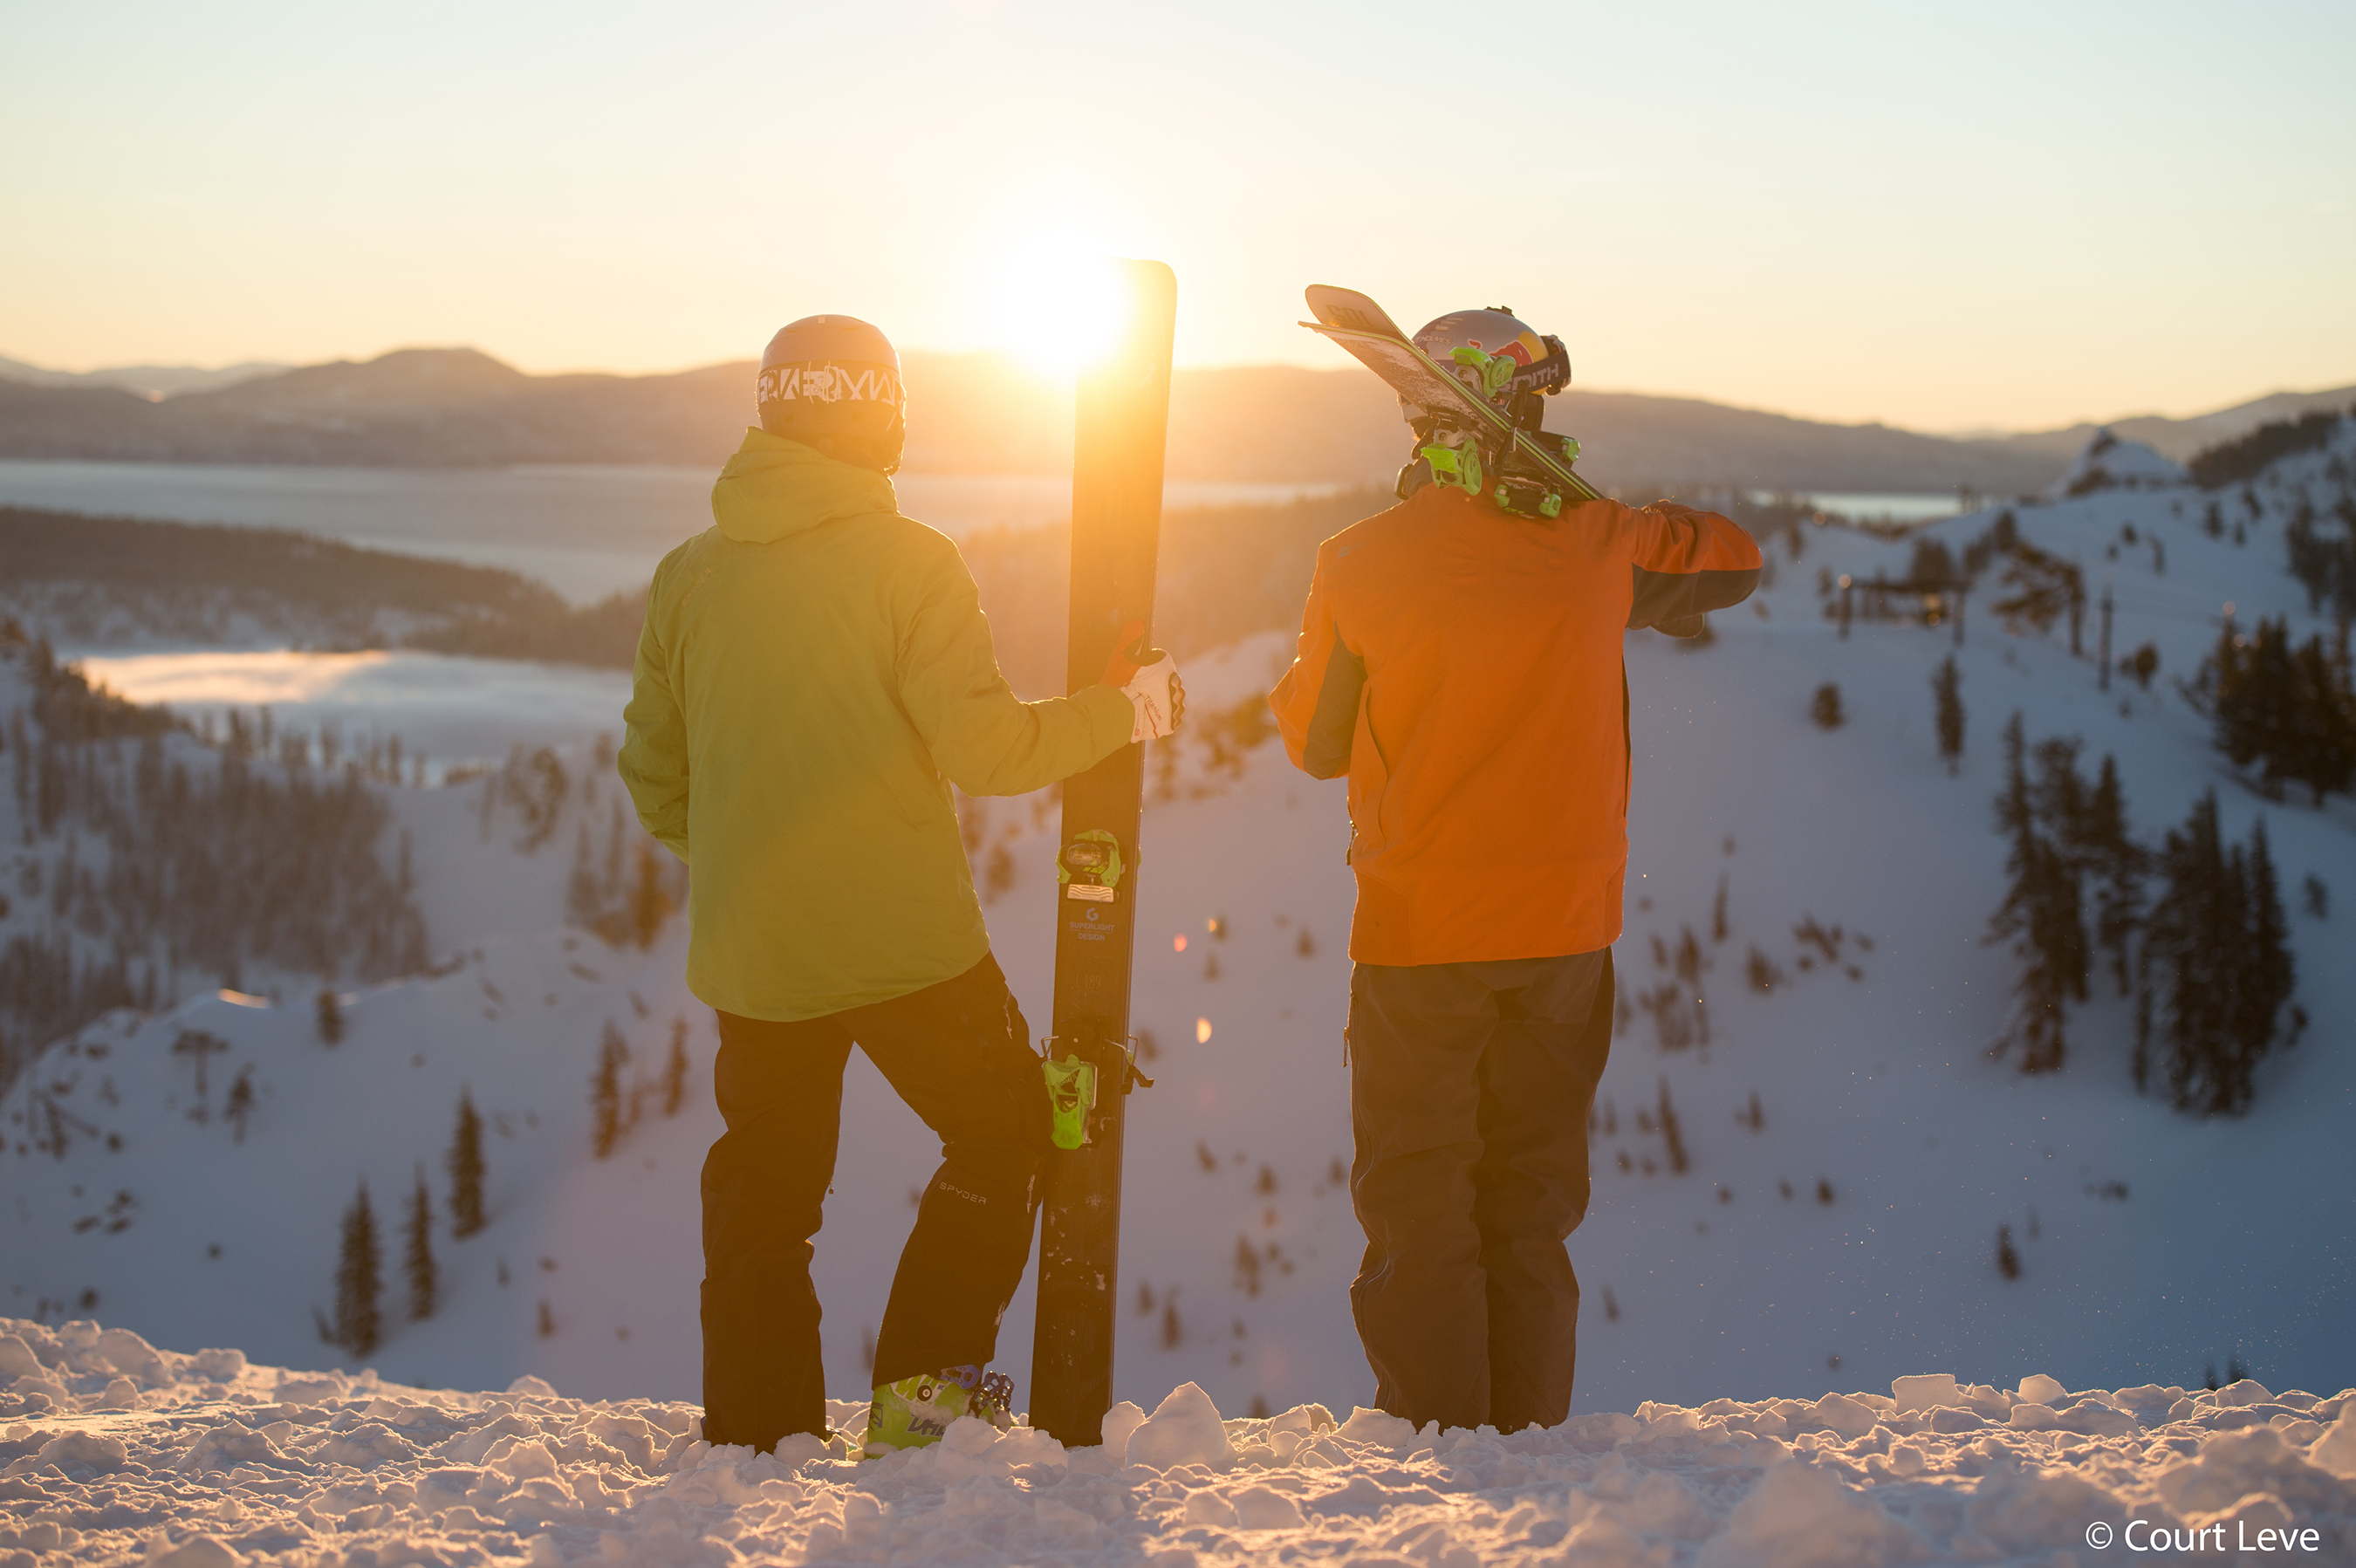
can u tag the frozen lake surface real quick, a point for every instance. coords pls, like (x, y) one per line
(587, 531)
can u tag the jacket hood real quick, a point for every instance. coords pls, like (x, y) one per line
(774, 486)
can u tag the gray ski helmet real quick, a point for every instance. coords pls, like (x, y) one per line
(835, 376)
(1541, 366)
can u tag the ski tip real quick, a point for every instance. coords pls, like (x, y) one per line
(1348, 307)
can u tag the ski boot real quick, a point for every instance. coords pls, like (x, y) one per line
(914, 1411)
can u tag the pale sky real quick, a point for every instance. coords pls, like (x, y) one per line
(1944, 217)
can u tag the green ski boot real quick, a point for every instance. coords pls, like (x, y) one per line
(914, 1411)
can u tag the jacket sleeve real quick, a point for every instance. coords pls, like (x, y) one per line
(653, 760)
(989, 741)
(1316, 703)
(1686, 562)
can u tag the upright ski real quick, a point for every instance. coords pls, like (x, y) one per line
(1120, 434)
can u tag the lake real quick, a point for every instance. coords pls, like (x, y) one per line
(1876, 506)
(454, 710)
(586, 531)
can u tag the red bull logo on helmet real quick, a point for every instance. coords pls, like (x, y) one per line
(830, 382)
(1525, 351)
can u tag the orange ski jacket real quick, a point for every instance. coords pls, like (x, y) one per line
(1462, 666)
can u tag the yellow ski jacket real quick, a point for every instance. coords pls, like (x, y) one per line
(814, 673)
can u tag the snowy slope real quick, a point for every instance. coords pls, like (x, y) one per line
(2109, 461)
(116, 1452)
(2153, 1247)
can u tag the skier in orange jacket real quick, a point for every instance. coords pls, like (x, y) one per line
(1460, 662)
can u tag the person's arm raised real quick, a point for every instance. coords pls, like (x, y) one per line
(1686, 562)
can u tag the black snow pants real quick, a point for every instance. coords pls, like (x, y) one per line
(1470, 1087)
(957, 1054)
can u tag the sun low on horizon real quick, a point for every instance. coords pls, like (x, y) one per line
(1057, 303)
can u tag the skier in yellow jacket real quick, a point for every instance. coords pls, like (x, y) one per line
(815, 673)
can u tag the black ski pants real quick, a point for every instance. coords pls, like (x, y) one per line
(1470, 1087)
(957, 1053)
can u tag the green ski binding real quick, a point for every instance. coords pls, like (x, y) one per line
(1071, 1095)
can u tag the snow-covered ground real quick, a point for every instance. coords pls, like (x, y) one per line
(120, 1453)
(1843, 1237)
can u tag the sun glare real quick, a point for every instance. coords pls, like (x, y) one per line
(1060, 303)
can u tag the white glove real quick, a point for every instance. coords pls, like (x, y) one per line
(1159, 698)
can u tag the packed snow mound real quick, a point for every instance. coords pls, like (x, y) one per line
(2110, 462)
(115, 1451)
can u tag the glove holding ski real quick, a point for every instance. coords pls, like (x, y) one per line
(1147, 677)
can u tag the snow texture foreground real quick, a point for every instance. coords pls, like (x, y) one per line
(112, 1451)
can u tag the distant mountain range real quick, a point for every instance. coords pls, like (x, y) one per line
(154, 381)
(978, 413)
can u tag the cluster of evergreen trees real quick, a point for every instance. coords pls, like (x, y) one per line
(614, 1108)
(2206, 954)
(162, 863)
(2215, 968)
(359, 1322)
(2289, 710)
(2325, 566)
(2247, 457)
(626, 893)
(2062, 837)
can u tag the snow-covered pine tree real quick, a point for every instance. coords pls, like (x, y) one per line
(464, 1164)
(417, 1255)
(605, 1092)
(359, 1326)
(674, 1079)
(331, 1017)
(1947, 691)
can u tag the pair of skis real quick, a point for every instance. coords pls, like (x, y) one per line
(1118, 440)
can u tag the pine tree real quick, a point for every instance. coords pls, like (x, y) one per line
(674, 1080)
(240, 1107)
(1946, 688)
(2042, 911)
(464, 1164)
(2118, 862)
(2215, 967)
(417, 1257)
(357, 1324)
(582, 905)
(605, 1092)
(2324, 757)
(2290, 712)
(649, 900)
(2270, 974)
(1672, 1131)
(331, 1017)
